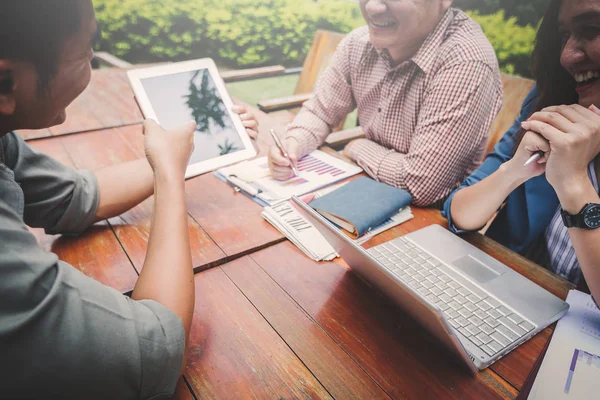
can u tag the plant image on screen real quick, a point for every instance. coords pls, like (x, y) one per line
(193, 95)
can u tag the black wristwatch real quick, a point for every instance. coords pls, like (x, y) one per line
(588, 217)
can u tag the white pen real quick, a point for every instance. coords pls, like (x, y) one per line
(282, 150)
(536, 156)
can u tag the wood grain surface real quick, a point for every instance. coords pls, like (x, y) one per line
(269, 322)
(404, 360)
(235, 354)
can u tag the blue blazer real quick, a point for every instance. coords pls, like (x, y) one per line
(529, 208)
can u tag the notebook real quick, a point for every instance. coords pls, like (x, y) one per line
(288, 220)
(361, 205)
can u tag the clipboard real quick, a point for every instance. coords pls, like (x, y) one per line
(240, 186)
(316, 170)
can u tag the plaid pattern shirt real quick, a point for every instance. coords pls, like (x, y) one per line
(426, 120)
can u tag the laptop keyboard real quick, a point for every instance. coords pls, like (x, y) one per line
(485, 321)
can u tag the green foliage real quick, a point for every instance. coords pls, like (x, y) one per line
(237, 33)
(246, 33)
(513, 43)
(528, 12)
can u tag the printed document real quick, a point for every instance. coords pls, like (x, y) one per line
(571, 367)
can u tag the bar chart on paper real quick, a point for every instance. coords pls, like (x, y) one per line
(571, 366)
(316, 170)
(584, 374)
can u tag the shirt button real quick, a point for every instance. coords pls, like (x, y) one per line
(379, 109)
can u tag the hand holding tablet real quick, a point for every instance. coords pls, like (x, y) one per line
(175, 93)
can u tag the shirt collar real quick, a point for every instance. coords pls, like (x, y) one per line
(426, 55)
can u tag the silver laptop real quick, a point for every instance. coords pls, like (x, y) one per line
(476, 306)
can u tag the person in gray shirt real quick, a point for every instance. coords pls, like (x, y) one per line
(62, 334)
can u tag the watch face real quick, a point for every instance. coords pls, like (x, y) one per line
(592, 217)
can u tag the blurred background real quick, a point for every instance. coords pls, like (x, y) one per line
(241, 34)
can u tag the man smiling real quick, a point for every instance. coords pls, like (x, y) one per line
(427, 87)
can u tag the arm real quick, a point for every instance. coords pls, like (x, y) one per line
(473, 206)
(458, 206)
(332, 101)
(584, 241)
(124, 186)
(78, 338)
(167, 276)
(572, 135)
(455, 119)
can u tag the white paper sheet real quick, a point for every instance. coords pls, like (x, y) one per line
(571, 367)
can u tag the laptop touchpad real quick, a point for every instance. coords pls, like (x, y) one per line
(475, 269)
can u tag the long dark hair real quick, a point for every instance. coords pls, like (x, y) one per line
(555, 86)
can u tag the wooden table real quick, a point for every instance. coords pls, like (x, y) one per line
(269, 322)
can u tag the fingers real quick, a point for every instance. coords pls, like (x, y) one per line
(293, 148)
(595, 110)
(574, 113)
(250, 124)
(248, 120)
(549, 132)
(277, 158)
(243, 112)
(238, 109)
(554, 119)
(534, 142)
(279, 165)
(252, 133)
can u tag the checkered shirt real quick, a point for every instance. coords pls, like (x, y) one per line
(426, 120)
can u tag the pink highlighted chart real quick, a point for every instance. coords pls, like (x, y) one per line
(313, 164)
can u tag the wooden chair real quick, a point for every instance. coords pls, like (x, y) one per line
(516, 90)
(322, 49)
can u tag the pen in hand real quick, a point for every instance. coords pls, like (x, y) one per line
(536, 156)
(282, 150)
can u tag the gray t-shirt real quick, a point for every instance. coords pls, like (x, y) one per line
(62, 334)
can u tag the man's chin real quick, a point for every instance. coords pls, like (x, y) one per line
(381, 42)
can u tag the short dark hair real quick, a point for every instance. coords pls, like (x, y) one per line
(35, 31)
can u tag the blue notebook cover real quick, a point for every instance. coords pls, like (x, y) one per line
(361, 205)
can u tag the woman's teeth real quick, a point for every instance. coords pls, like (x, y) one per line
(585, 77)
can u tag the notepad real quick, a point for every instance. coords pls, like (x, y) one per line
(361, 205)
(317, 170)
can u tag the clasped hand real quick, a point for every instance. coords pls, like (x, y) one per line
(569, 136)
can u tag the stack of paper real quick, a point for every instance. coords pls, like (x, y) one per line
(287, 219)
(299, 231)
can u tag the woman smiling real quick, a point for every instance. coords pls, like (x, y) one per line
(549, 209)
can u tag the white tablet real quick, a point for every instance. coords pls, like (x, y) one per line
(173, 94)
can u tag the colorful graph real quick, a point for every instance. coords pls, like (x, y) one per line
(294, 182)
(313, 164)
(588, 372)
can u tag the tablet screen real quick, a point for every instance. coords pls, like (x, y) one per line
(192, 95)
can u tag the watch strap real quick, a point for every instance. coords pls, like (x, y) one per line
(577, 220)
(572, 221)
